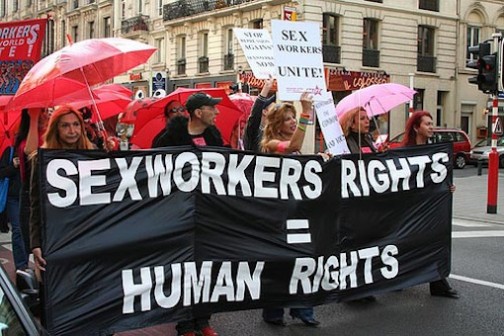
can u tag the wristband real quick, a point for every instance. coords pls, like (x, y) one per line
(304, 119)
(302, 127)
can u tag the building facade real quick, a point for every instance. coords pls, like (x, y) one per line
(423, 42)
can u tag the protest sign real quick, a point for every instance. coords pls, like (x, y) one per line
(258, 49)
(297, 49)
(330, 126)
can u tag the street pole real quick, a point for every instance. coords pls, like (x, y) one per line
(493, 157)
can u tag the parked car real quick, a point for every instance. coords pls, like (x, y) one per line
(459, 139)
(483, 148)
(15, 317)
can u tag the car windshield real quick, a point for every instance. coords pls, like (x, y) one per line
(488, 142)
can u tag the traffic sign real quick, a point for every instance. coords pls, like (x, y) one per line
(498, 127)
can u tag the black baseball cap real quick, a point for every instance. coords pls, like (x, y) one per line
(199, 99)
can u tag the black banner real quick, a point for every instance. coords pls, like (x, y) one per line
(140, 238)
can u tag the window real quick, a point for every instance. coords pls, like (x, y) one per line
(140, 6)
(256, 24)
(123, 9)
(63, 33)
(15, 5)
(228, 49)
(432, 5)
(425, 49)
(160, 7)
(2, 8)
(75, 4)
(331, 52)
(107, 27)
(91, 29)
(370, 52)
(159, 44)
(181, 55)
(75, 33)
(203, 52)
(473, 38)
(28, 3)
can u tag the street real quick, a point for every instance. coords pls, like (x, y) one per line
(477, 273)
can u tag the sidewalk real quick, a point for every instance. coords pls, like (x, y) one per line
(470, 199)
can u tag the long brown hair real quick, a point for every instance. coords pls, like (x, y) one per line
(275, 118)
(412, 124)
(51, 136)
(347, 120)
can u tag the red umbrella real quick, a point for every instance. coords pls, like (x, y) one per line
(152, 116)
(87, 62)
(244, 102)
(111, 99)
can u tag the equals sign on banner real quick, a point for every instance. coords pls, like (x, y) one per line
(300, 229)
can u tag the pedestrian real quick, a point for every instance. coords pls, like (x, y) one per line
(66, 130)
(197, 130)
(283, 135)
(252, 135)
(355, 125)
(172, 109)
(419, 130)
(9, 168)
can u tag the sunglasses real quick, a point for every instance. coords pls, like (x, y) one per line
(177, 109)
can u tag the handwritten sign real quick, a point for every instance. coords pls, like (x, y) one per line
(298, 59)
(258, 49)
(330, 126)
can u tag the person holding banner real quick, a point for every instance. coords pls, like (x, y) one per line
(419, 130)
(197, 130)
(283, 135)
(66, 130)
(355, 125)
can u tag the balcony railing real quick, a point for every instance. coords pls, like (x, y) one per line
(371, 57)
(426, 63)
(229, 62)
(203, 64)
(183, 8)
(135, 24)
(331, 53)
(181, 66)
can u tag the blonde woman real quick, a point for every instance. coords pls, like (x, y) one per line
(355, 125)
(284, 135)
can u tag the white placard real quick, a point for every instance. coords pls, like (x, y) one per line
(297, 48)
(330, 126)
(258, 49)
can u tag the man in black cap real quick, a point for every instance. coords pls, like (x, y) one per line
(200, 129)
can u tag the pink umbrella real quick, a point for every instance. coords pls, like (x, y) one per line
(244, 102)
(87, 62)
(376, 99)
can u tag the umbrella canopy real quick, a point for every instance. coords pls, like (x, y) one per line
(376, 99)
(151, 116)
(111, 99)
(244, 102)
(87, 62)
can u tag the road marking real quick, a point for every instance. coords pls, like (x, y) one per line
(478, 234)
(476, 281)
(468, 223)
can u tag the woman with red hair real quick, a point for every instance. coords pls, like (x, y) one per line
(66, 130)
(419, 130)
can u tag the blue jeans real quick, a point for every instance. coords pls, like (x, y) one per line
(18, 246)
(275, 314)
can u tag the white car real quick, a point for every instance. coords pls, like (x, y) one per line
(483, 149)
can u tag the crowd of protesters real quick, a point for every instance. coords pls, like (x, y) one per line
(270, 128)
